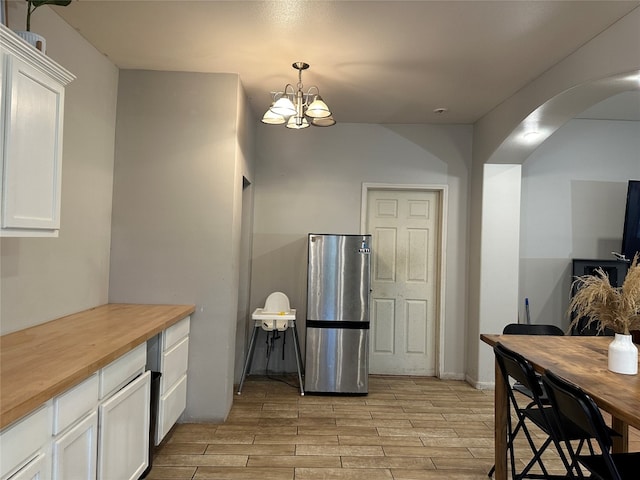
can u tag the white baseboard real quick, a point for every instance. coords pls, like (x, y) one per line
(480, 385)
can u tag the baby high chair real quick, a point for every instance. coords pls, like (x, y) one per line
(276, 314)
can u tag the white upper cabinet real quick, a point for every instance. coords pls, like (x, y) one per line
(31, 120)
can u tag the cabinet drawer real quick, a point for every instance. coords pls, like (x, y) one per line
(125, 368)
(24, 438)
(171, 406)
(75, 403)
(175, 333)
(174, 364)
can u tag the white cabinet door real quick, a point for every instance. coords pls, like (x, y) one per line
(123, 445)
(32, 148)
(25, 440)
(36, 469)
(75, 452)
(31, 119)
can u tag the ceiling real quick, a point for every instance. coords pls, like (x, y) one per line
(373, 61)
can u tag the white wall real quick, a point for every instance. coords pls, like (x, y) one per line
(573, 203)
(311, 181)
(499, 252)
(182, 149)
(569, 87)
(45, 278)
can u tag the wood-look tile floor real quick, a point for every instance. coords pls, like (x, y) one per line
(406, 428)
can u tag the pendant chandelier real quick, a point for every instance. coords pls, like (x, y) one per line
(297, 109)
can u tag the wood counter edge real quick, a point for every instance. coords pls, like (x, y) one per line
(22, 409)
(489, 338)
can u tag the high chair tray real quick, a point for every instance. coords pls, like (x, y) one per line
(260, 314)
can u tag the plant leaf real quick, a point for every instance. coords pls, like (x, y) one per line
(617, 308)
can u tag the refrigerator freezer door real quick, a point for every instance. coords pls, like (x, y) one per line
(337, 360)
(338, 277)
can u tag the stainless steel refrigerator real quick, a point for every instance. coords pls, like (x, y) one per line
(337, 323)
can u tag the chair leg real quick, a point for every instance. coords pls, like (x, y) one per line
(247, 363)
(296, 345)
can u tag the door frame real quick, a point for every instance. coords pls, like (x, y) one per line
(441, 253)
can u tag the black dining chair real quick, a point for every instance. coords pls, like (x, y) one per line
(571, 403)
(513, 366)
(531, 329)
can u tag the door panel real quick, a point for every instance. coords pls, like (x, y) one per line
(384, 312)
(404, 225)
(418, 244)
(385, 260)
(416, 326)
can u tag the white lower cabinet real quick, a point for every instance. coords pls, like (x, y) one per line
(123, 445)
(99, 429)
(170, 407)
(168, 353)
(75, 452)
(36, 469)
(25, 446)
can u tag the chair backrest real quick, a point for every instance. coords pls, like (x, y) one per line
(571, 402)
(277, 302)
(514, 365)
(532, 329)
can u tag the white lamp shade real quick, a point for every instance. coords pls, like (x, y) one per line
(283, 107)
(292, 123)
(318, 109)
(323, 122)
(271, 118)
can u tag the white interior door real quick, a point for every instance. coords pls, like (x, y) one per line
(404, 225)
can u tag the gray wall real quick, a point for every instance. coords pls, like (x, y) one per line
(574, 190)
(45, 278)
(311, 181)
(182, 149)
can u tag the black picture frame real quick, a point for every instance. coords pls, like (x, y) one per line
(631, 232)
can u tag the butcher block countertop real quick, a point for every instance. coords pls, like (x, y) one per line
(40, 362)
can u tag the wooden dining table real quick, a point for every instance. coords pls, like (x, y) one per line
(581, 360)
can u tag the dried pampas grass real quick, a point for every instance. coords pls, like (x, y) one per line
(617, 308)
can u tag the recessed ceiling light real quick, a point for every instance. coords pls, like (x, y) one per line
(440, 110)
(531, 137)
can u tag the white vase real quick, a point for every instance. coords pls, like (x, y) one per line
(623, 355)
(34, 39)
